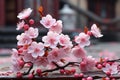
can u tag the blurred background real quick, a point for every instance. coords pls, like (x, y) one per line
(76, 14)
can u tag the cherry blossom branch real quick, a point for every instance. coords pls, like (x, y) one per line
(115, 60)
(59, 67)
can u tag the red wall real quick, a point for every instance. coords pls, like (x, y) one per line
(2, 13)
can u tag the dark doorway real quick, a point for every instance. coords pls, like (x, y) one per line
(10, 12)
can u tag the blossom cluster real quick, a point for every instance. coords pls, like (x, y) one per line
(55, 48)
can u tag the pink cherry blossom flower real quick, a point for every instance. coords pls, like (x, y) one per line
(67, 49)
(14, 53)
(20, 25)
(51, 39)
(47, 21)
(36, 49)
(110, 68)
(15, 61)
(25, 13)
(23, 39)
(56, 55)
(78, 52)
(16, 67)
(32, 32)
(87, 64)
(57, 27)
(64, 40)
(27, 57)
(96, 31)
(41, 61)
(82, 39)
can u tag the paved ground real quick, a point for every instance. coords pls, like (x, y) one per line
(111, 48)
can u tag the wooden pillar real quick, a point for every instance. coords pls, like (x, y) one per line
(2, 12)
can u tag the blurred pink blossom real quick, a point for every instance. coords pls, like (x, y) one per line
(15, 61)
(41, 61)
(78, 52)
(25, 13)
(110, 68)
(96, 31)
(20, 25)
(87, 64)
(56, 55)
(28, 57)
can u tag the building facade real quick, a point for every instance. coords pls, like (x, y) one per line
(101, 8)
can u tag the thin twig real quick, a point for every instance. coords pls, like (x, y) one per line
(26, 73)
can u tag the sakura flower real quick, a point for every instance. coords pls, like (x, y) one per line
(23, 39)
(64, 40)
(25, 13)
(16, 67)
(82, 39)
(32, 32)
(56, 55)
(36, 49)
(96, 31)
(51, 39)
(78, 52)
(41, 61)
(110, 68)
(28, 57)
(14, 53)
(57, 27)
(15, 61)
(87, 64)
(20, 25)
(47, 21)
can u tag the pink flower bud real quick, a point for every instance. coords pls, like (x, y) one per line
(76, 75)
(107, 78)
(26, 27)
(89, 33)
(108, 73)
(81, 75)
(19, 74)
(38, 71)
(73, 71)
(62, 71)
(99, 66)
(21, 63)
(67, 72)
(31, 21)
(30, 76)
(83, 79)
(89, 78)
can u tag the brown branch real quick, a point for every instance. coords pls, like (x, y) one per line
(26, 73)
(59, 67)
